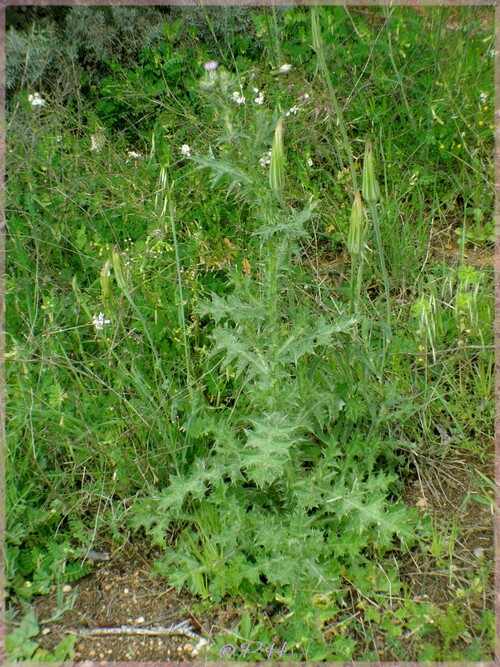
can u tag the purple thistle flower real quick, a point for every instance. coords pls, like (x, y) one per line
(211, 65)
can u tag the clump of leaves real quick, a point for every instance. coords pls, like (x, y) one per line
(20, 645)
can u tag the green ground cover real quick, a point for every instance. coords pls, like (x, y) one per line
(243, 306)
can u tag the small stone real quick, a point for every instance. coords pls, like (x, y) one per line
(199, 646)
(125, 590)
(139, 620)
(67, 589)
(107, 587)
(421, 503)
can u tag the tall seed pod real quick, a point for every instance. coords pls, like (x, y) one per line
(117, 266)
(106, 291)
(371, 190)
(356, 226)
(277, 167)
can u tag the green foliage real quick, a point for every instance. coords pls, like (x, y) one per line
(185, 355)
(113, 34)
(31, 56)
(19, 645)
(275, 501)
(36, 559)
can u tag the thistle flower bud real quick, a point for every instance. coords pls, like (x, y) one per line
(276, 167)
(356, 226)
(371, 190)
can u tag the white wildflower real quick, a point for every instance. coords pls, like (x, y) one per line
(134, 155)
(285, 68)
(414, 178)
(483, 97)
(306, 96)
(265, 159)
(36, 100)
(259, 99)
(185, 150)
(97, 142)
(238, 98)
(309, 162)
(292, 110)
(99, 321)
(256, 91)
(493, 53)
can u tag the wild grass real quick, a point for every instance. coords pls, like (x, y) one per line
(215, 341)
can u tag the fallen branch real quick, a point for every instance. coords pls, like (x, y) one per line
(181, 628)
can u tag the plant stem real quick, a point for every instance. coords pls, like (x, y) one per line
(318, 46)
(180, 310)
(380, 249)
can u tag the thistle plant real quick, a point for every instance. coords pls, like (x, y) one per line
(280, 463)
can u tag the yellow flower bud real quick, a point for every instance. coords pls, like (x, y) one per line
(276, 167)
(371, 190)
(356, 226)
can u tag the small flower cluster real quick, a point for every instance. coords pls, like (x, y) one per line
(238, 98)
(185, 150)
(133, 155)
(36, 100)
(260, 96)
(99, 321)
(265, 159)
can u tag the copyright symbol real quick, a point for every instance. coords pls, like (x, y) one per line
(227, 651)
